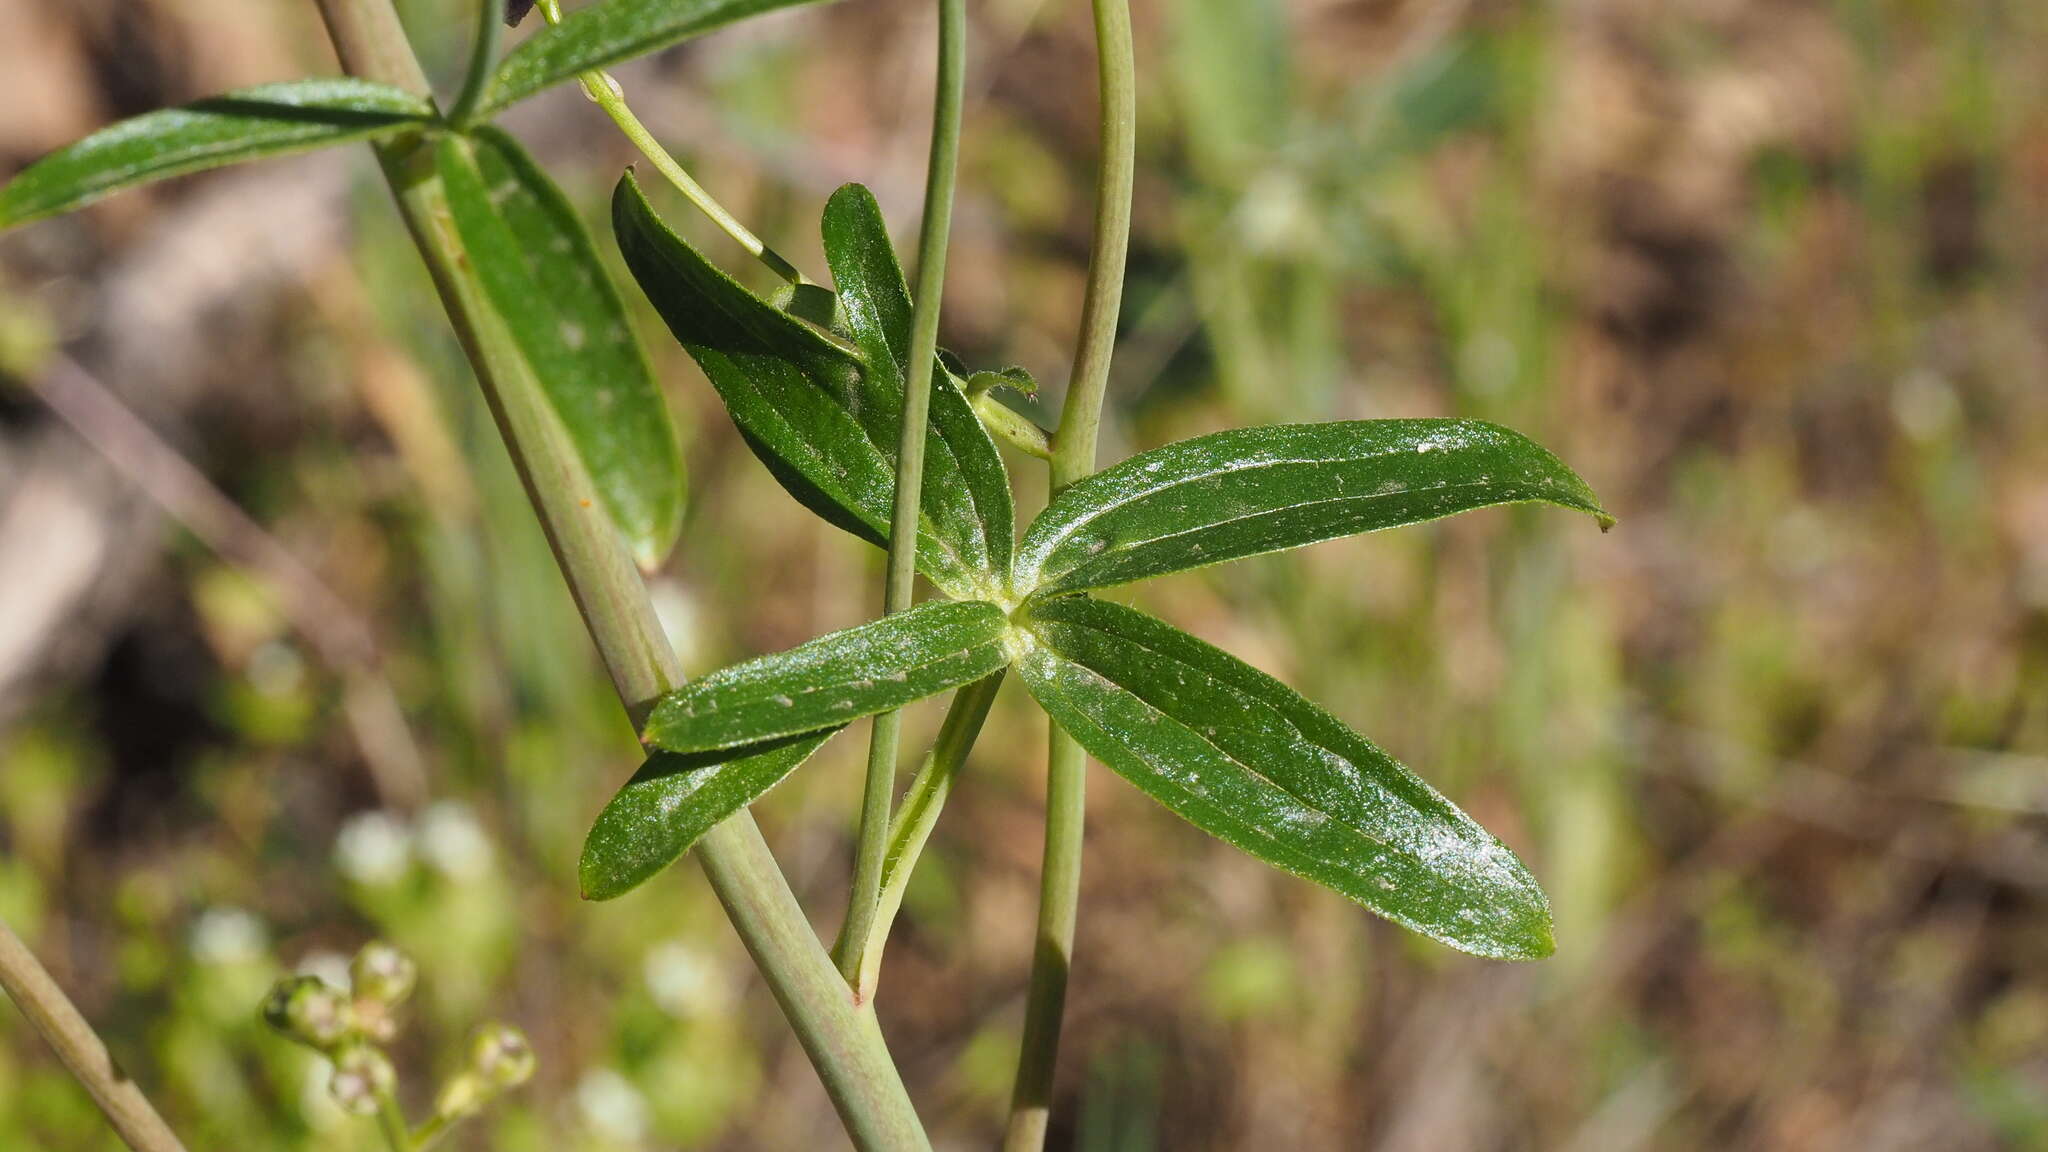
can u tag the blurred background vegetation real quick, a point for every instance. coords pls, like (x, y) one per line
(1772, 274)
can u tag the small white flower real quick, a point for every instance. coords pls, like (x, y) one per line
(373, 849)
(611, 1105)
(453, 842)
(228, 936)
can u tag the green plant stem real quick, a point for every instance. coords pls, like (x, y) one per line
(391, 1122)
(919, 812)
(1073, 456)
(604, 91)
(483, 53)
(844, 1044)
(871, 850)
(431, 1130)
(60, 1024)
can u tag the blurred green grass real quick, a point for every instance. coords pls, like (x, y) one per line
(1770, 275)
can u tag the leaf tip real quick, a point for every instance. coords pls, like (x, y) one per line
(594, 881)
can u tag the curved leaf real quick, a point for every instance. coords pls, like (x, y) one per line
(966, 488)
(269, 120)
(1247, 759)
(544, 277)
(674, 799)
(801, 402)
(876, 667)
(607, 33)
(1254, 490)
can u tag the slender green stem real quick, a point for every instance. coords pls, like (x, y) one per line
(1059, 897)
(483, 55)
(872, 848)
(431, 1130)
(60, 1024)
(919, 813)
(604, 91)
(1073, 456)
(844, 1044)
(391, 1122)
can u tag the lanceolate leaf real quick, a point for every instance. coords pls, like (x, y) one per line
(966, 489)
(673, 800)
(606, 33)
(1243, 757)
(799, 400)
(876, 667)
(254, 122)
(545, 279)
(1254, 490)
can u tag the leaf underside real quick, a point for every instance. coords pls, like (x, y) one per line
(608, 33)
(269, 120)
(1247, 759)
(543, 275)
(672, 801)
(1254, 490)
(800, 401)
(875, 667)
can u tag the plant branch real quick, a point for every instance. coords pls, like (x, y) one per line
(871, 851)
(29, 985)
(604, 91)
(919, 812)
(844, 1044)
(1073, 456)
(483, 53)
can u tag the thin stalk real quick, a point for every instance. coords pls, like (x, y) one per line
(604, 91)
(483, 53)
(29, 985)
(845, 1045)
(919, 812)
(871, 850)
(431, 1130)
(1073, 456)
(391, 1122)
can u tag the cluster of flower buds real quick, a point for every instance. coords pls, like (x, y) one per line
(349, 1027)
(323, 1017)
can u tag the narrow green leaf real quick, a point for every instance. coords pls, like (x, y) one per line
(802, 403)
(1255, 490)
(1245, 758)
(966, 488)
(876, 667)
(544, 277)
(674, 799)
(607, 33)
(265, 121)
